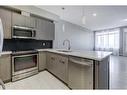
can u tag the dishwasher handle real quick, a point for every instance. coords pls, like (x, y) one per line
(85, 63)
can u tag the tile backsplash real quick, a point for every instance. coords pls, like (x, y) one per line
(25, 44)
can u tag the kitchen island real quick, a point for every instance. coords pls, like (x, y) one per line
(79, 69)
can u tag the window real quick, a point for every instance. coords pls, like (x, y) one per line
(107, 40)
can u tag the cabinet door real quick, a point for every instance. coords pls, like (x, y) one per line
(30, 21)
(5, 67)
(51, 63)
(62, 67)
(45, 30)
(41, 34)
(21, 20)
(5, 16)
(80, 76)
(42, 61)
(50, 30)
(102, 74)
(18, 19)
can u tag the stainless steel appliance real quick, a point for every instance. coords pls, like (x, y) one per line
(80, 73)
(23, 32)
(24, 64)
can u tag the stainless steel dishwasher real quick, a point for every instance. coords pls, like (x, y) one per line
(80, 73)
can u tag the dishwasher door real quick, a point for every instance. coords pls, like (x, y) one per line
(80, 73)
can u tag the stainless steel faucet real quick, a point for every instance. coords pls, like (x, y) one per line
(69, 44)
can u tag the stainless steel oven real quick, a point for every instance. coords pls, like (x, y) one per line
(24, 64)
(23, 32)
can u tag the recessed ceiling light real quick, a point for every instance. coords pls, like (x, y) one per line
(94, 14)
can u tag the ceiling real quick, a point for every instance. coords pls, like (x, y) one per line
(106, 16)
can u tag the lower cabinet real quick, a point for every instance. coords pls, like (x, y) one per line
(62, 67)
(80, 73)
(58, 65)
(5, 68)
(51, 62)
(42, 60)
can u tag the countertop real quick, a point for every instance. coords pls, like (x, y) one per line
(5, 52)
(94, 55)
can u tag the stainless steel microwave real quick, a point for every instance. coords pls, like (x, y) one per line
(23, 32)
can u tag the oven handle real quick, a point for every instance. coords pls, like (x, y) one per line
(24, 55)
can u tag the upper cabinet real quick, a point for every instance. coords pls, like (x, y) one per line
(21, 20)
(45, 29)
(5, 16)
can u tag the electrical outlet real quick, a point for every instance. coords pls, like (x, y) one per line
(44, 44)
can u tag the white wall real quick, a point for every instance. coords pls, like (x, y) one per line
(81, 38)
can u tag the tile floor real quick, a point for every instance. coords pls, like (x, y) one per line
(43, 80)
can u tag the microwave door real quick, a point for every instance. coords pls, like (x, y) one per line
(1, 36)
(23, 32)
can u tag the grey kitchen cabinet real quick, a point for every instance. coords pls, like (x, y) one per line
(102, 74)
(57, 64)
(5, 16)
(50, 30)
(62, 67)
(45, 29)
(21, 20)
(42, 60)
(80, 73)
(51, 63)
(5, 67)
(30, 21)
(40, 34)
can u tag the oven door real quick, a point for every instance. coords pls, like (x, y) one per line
(24, 63)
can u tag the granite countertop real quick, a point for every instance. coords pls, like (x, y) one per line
(94, 55)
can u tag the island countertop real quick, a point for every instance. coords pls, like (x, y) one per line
(94, 55)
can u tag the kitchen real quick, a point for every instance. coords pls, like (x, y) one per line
(40, 42)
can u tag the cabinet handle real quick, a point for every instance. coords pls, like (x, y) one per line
(62, 62)
(52, 58)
